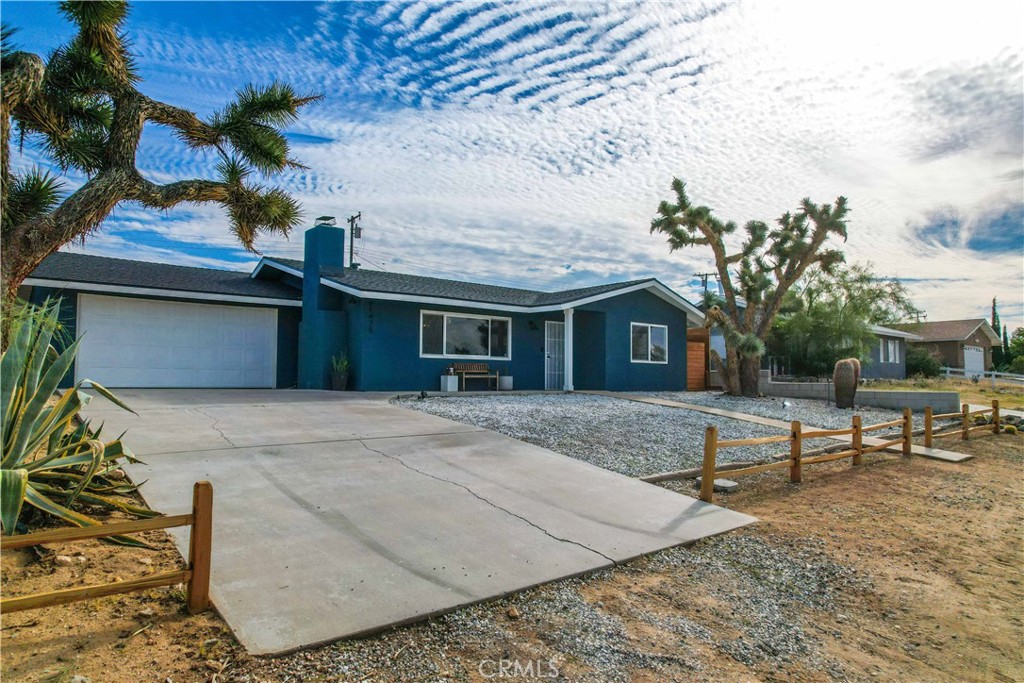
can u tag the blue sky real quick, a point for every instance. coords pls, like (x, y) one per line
(530, 143)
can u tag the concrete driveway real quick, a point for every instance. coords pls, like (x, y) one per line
(339, 514)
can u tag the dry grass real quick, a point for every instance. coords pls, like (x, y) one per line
(1010, 396)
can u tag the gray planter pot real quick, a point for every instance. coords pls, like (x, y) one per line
(339, 381)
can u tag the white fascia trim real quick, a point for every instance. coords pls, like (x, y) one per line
(274, 264)
(656, 287)
(881, 331)
(157, 293)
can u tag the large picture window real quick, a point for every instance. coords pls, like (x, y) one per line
(649, 343)
(462, 335)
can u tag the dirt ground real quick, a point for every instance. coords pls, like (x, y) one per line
(899, 570)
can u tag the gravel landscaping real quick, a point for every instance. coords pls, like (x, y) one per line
(635, 439)
(810, 412)
(639, 439)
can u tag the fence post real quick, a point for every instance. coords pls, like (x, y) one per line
(858, 439)
(995, 416)
(199, 548)
(965, 422)
(928, 413)
(795, 446)
(908, 424)
(707, 481)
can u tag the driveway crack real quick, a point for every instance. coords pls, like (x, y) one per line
(488, 502)
(214, 427)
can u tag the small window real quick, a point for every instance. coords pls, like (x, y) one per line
(648, 343)
(445, 335)
(894, 351)
(433, 334)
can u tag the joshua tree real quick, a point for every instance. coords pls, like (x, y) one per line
(768, 263)
(82, 106)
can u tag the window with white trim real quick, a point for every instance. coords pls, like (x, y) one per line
(464, 335)
(648, 343)
(888, 351)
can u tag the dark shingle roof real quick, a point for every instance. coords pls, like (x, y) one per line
(126, 273)
(947, 330)
(419, 285)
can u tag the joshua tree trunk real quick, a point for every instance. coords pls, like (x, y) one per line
(750, 375)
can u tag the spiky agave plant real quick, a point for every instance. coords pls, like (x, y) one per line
(49, 462)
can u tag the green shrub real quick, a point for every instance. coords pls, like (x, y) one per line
(1009, 429)
(48, 462)
(1017, 366)
(921, 363)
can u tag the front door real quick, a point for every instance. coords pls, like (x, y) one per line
(554, 355)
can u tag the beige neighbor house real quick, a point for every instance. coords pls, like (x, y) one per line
(963, 344)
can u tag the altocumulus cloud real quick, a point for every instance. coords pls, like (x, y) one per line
(506, 141)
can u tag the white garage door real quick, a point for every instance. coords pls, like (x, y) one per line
(147, 343)
(974, 360)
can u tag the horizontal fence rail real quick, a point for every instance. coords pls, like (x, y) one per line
(993, 376)
(196, 577)
(796, 437)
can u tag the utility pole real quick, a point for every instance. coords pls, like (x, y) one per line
(704, 279)
(919, 313)
(354, 231)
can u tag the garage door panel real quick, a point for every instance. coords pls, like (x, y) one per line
(146, 343)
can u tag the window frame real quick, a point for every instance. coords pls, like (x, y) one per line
(444, 335)
(633, 324)
(888, 350)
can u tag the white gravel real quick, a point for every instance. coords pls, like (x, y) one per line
(635, 439)
(810, 412)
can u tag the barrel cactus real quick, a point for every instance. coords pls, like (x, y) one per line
(845, 377)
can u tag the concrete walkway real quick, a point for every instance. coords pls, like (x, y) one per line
(339, 514)
(932, 453)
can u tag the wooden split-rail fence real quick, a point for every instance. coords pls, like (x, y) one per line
(196, 577)
(966, 415)
(856, 432)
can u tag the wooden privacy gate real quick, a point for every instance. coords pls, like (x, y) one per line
(697, 342)
(196, 577)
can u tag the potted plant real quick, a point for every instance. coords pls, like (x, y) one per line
(339, 372)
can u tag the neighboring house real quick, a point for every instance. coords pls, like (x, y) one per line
(888, 358)
(157, 325)
(963, 344)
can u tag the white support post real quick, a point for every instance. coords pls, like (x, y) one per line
(568, 350)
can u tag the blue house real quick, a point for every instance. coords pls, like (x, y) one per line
(888, 356)
(158, 325)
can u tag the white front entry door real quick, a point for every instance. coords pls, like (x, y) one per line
(974, 360)
(147, 343)
(554, 355)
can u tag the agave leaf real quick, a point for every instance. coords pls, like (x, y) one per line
(12, 494)
(33, 412)
(41, 502)
(94, 499)
(12, 366)
(105, 393)
(96, 453)
(40, 345)
(57, 418)
(9, 455)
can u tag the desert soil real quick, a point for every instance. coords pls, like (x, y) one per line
(899, 570)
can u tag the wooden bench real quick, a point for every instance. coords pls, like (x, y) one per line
(475, 370)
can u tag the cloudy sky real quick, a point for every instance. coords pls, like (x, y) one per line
(530, 143)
